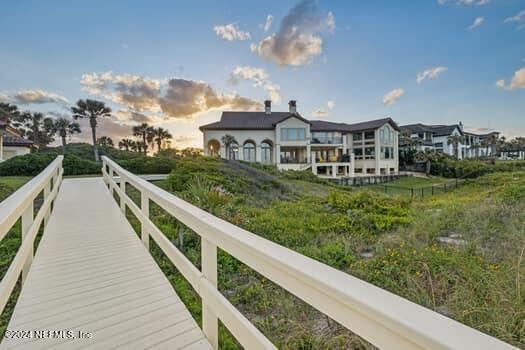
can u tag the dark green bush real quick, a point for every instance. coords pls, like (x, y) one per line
(452, 168)
(32, 164)
(148, 165)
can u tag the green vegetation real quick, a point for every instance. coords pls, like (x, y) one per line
(458, 253)
(77, 161)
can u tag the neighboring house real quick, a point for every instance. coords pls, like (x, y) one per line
(435, 137)
(292, 142)
(11, 143)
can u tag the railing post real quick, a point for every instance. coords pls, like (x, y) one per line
(123, 194)
(210, 322)
(47, 191)
(144, 207)
(27, 221)
(111, 187)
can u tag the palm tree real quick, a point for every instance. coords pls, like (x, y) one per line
(456, 140)
(36, 127)
(145, 132)
(125, 144)
(8, 112)
(228, 140)
(161, 135)
(64, 128)
(105, 141)
(92, 110)
(427, 157)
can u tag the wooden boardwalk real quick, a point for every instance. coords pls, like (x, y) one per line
(93, 277)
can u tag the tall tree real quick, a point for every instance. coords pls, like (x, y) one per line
(105, 141)
(35, 127)
(455, 141)
(65, 128)
(145, 132)
(8, 112)
(92, 110)
(228, 140)
(126, 144)
(427, 157)
(160, 135)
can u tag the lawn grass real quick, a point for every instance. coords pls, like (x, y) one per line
(413, 186)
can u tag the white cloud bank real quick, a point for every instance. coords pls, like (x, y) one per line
(392, 96)
(324, 111)
(231, 32)
(259, 77)
(298, 39)
(430, 73)
(477, 22)
(517, 81)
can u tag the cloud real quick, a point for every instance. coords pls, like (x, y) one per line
(105, 127)
(135, 91)
(231, 32)
(391, 97)
(464, 2)
(175, 97)
(268, 23)
(259, 77)
(4, 97)
(298, 39)
(430, 73)
(324, 111)
(132, 117)
(27, 97)
(517, 81)
(517, 18)
(477, 22)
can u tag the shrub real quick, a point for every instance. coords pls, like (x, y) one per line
(148, 165)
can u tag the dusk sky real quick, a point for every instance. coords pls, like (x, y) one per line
(179, 64)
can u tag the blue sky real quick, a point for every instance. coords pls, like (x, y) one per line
(172, 63)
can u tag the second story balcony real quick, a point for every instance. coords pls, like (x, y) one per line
(327, 140)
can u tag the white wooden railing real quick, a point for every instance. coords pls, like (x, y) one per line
(20, 205)
(382, 318)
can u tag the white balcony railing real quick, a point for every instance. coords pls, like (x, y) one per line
(382, 318)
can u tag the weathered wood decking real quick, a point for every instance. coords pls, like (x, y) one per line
(92, 274)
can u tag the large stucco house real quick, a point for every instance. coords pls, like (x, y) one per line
(436, 138)
(292, 142)
(11, 143)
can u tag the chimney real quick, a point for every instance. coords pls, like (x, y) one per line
(461, 125)
(267, 107)
(293, 106)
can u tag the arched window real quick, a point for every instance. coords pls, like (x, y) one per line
(214, 148)
(249, 152)
(266, 152)
(233, 151)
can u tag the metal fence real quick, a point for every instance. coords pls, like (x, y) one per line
(421, 192)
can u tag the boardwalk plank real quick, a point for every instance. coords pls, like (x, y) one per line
(91, 273)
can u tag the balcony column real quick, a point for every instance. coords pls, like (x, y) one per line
(352, 164)
(308, 153)
(278, 154)
(222, 151)
(334, 170)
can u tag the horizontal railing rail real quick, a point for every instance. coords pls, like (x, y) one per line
(382, 318)
(21, 205)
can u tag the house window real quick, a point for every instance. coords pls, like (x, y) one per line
(370, 153)
(266, 152)
(371, 170)
(249, 152)
(386, 135)
(387, 153)
(358, 153)
(293, 134)
(358, 170)
(358, 136)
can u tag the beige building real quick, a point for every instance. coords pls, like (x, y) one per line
(11, 143)
(292, 142)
